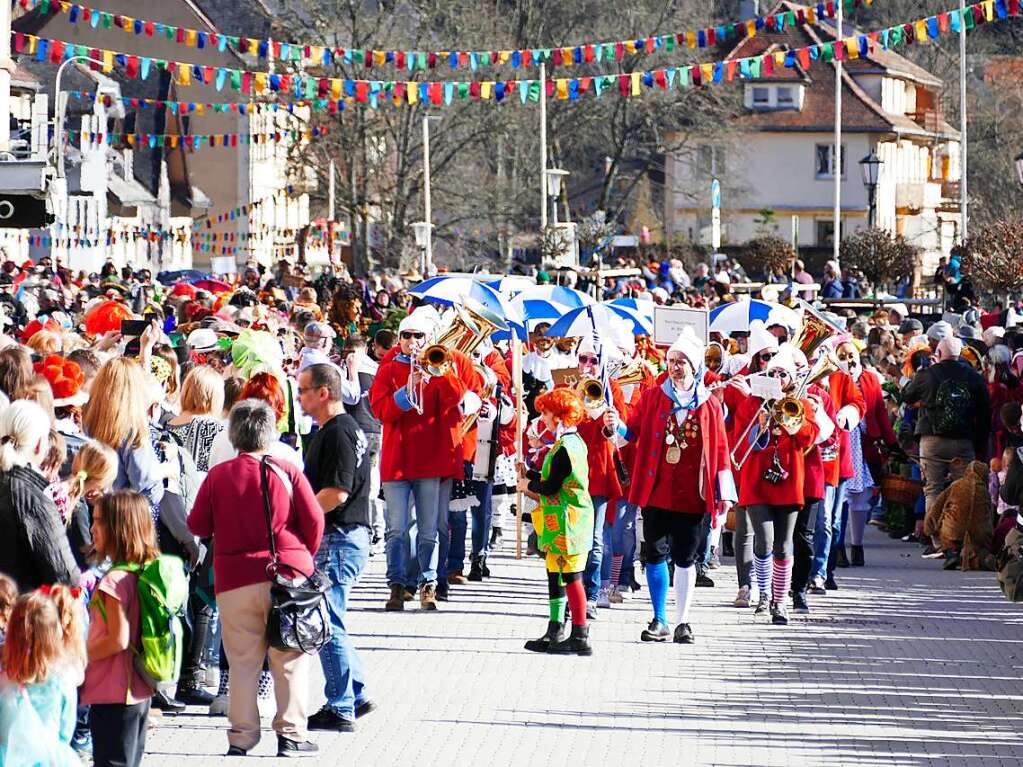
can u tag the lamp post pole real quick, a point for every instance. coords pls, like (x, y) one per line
(59, 106)
(962, 120)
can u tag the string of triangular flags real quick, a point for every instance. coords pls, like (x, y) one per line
(374, 93)
(192, 140)
(413, 60)
(201, 107)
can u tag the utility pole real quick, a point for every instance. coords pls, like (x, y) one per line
(543, 148)
(427, 212)
(963, 198)
(836, 156)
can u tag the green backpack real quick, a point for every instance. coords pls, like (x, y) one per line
(163, 591)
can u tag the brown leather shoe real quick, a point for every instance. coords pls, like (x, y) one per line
(407, 595)
(428, 596)
(456, 578)
(396, 602)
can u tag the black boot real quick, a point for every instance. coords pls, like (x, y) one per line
(555, 633)
(727, 547)
(483, 566)
(476, 568)
(578, 643)
(857, 556)
(841, 559)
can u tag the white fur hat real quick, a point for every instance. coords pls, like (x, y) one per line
(760, 339)
(422, 320)
(691, 347)
(784, 359)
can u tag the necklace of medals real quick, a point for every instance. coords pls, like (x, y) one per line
(677, 436)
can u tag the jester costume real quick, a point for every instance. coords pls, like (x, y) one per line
(565, 534)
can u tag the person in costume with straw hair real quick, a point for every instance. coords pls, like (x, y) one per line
(682, 472)
(563, 521)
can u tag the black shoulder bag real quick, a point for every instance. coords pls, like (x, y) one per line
(298, 610)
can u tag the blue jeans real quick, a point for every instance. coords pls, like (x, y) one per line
(443, 529)
(623, 535)
(399, 495)
(458, 523)
(834, 497)
(342, 558)
(607, 558)
(591, 576)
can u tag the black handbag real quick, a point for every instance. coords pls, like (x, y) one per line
(299, 619)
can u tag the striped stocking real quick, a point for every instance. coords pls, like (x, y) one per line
(616, 568)
(782, 580)
(762, 565)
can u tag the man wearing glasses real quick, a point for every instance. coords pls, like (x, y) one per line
(420, 452)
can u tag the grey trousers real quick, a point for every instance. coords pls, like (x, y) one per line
(940, 468)
(742, 542)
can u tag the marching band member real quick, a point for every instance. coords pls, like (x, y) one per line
(482, 491)
(771, 482)
(536, 365)
(604, 484)
(564, 521)
(849, 409)
(682, 473)
(419, 452)
(761, 347)
(874, 428)
(813, 486)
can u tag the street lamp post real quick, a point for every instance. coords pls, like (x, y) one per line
(58, 111)
(427, 203)
(870, 167)
(555, 178)
(423, 232)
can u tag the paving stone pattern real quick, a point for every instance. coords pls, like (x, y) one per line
(905, 665)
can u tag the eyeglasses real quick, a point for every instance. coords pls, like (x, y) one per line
(589, 359)
(408, 335)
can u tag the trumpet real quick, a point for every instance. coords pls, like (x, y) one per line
(787, 412)
(436, 360)
(592, 392)
(414, 388)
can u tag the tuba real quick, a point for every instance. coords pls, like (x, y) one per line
(814, 331)
(471, 324)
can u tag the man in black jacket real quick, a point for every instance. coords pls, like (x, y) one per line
(954, 417)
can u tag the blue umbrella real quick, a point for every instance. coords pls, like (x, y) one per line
(537, 309)
(169, 278)
(641, 326)
(446, 291)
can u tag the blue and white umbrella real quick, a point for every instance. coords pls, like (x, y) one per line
(512, 284)
(641, 307)
(446, 291)
(737, 316)
(538, 309)
(639, 324)
(557, 294)
(584, 321)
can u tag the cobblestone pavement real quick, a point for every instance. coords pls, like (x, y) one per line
(904, 665)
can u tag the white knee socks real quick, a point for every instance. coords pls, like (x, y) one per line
(685, 584)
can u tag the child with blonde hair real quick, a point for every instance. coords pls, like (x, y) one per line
(93, 473)
(37, 693)
(8, 596)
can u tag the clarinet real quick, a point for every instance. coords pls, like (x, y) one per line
(494, 442)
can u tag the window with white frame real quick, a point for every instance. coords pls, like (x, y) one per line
(785, 96)
(761, 97)
(824, 161)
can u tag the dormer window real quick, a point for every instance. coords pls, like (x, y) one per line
(766, 97)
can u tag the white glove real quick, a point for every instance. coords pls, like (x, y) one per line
(848, 418)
